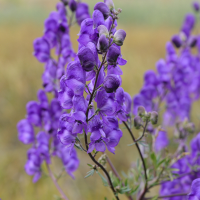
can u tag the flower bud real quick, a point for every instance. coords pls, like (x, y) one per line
(65, 2)
(112, 55)
(176, 40)
(102, 7)
(196, 6)
(102, 44)
(86, 58)
(141, 111)
(190, 127)
(119, 37)
(102, 160)
(192, 41)
(154, 117)
(137, 122)
(72, 5)
(110, 4)
(102, 30)
(111, 83)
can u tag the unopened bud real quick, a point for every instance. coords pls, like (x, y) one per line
(102, 160)
(154, 117)
(137, 122)
(72, 5)
(119, 10)
(190, 127)
(176, 40)
(110, 4)
(141, 111)
(192, 41)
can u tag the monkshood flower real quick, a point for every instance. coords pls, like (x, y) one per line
(186, 172)
(161, 141)
(56, 36)
(195, 190)
(45, 115)
(196, 6)
(98, 35)
(82, 12)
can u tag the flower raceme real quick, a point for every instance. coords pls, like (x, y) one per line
(99, 80)
(44, 115)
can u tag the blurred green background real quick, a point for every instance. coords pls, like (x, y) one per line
(149, 25)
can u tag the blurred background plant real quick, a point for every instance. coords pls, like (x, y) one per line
(149, 25)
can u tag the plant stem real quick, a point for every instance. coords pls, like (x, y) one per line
(87, 112)
(116, 173)
(143, 162)
(55, 183)
(144, 130)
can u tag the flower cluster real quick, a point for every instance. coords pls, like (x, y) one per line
(177, 81)
(91, 88)
(188, 170)
(43, 115)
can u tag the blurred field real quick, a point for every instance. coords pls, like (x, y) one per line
(149, 25)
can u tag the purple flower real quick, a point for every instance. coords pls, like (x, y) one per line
(161, 141)
(70, 160)
(112, 55)
(33, 164)
(176, 40)
(102, 43)
(26, 131)
(195, 190)
(86, 58)
(119, 37)
(102, 30)
(73, 5)
(196, 6)
(98, 18)
(105, 104)
(33, 113)
(110, 4)
(188, 24)
(82, 12)
(103, 8)
(41, 50)
(111, 83)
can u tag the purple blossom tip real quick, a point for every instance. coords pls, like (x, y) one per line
(119, 37)
(103, 8)
(72, 5)
(196, 6)
(176, 40)
(110, 4)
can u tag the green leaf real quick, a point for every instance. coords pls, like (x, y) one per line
(90, 165)
(154, 198)
(133, 191)
(90, 173)
(124, 190)
(160, 163)
(154, 159)
(143, 143)
(78, 147)
(103, 179)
